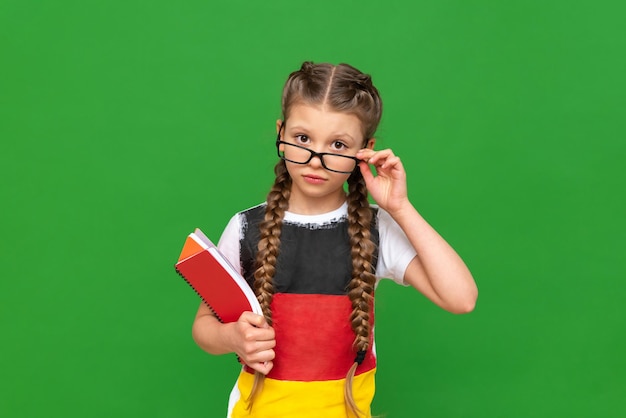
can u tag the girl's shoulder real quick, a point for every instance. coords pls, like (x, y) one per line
(253, 210)
(240, 221)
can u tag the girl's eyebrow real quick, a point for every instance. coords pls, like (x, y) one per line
(297, 129)
(344, 135)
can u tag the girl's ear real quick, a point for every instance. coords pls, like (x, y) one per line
(279, 123)
(370, 143)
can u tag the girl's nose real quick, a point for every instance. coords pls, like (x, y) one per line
(316, 161)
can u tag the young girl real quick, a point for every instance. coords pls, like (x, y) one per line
(314, 252)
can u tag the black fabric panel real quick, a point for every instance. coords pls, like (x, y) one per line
(313, 259)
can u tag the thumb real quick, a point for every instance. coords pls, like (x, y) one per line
(366, 172)
(253, 319)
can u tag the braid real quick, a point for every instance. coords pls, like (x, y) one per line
(267, 254)
(361, 287)
(269, 242)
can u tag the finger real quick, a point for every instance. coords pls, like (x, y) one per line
(258, 356)
(264, 367)
(253, 335)
(263, 334)
(256, 320)
(365, 154)
(368, 176)
(381, 157)
(386, 161)
(265, 345)
(391, 162)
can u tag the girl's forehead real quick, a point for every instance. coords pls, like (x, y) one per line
(323, 119)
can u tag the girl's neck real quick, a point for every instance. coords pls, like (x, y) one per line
(312, 206)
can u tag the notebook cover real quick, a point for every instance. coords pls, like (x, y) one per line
(218, 287)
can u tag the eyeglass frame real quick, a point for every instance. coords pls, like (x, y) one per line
(319, 155)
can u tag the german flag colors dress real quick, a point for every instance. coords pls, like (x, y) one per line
(310, 311)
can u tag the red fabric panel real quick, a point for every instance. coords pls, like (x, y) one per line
(314, 338)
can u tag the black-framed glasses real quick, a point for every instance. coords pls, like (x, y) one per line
(298, 154)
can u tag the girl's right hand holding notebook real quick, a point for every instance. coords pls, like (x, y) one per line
(253, 340)
(250, 337)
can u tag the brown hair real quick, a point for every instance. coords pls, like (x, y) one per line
(342, 88)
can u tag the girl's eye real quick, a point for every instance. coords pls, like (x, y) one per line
(302, 139)
(339, 146)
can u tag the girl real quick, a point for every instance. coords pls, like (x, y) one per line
(313, 253)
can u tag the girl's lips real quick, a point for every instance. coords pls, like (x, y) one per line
(309, 178)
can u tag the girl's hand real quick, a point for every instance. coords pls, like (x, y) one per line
(388, 186)
(253, 340)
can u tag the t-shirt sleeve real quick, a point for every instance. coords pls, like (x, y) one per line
(229, 244)
(395, 252)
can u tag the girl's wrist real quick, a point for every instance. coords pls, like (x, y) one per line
(227, 336)
(404, 210)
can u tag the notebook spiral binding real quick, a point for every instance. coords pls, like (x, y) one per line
(207, 304)
(197, 293)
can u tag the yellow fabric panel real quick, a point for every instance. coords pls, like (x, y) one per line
(289, 399)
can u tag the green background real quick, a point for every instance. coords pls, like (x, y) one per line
(126, 124)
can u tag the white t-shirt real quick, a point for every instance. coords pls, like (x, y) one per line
(395, 252)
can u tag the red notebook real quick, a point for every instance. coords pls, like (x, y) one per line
(217, 282)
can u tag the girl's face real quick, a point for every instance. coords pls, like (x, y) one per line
(315, 189)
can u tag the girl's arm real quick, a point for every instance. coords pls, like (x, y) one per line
(251, 338)
(437, 270)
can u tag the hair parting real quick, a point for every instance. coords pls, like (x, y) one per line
(341, 87)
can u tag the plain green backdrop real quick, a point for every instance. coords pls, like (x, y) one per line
(126, 124)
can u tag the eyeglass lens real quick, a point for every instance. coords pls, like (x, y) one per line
(333, 162)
